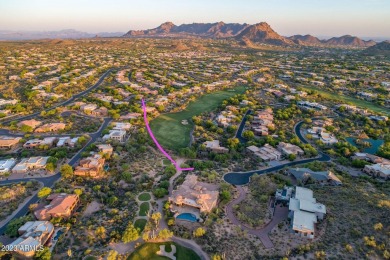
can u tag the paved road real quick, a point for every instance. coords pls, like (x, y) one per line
(50, 181)
(65, 103)
(241, 178)
(242, 126)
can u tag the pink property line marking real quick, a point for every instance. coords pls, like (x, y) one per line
(158, 145)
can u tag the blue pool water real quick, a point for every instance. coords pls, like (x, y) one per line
(187, 216)
(59, 233)
(375, 144)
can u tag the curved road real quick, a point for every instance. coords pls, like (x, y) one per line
(241, 178)
(50, 181)
(66, 102)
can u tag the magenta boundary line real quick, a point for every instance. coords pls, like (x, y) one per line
(158, 145)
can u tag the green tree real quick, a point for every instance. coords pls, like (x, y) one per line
(78, 192)
(66, 171)
(292, 157)
(26, 129)
(100, 232)
(13, 226)
(165, 234)
(112, 255)
(44, 254)
(44, 192)
(130, 234)
(199, 232)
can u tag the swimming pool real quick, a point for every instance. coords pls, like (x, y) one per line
(187, 216)
(59, 233)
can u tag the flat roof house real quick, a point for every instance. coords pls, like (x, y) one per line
(30, 144)
(32, 235)
(8, 142)
(288, 149)
(51, 127)
(303, 174)
(305, 212)
(32, 123)
(213, 146)
(266, 153)
(30, 164)
(90, 166)
(118, 135)
(381, 170)
(6, 165)
(105, 148)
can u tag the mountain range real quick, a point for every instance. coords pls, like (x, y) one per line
(245, 33)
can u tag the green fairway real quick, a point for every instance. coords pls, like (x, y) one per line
(350, 100)
(144, 209)
(140, 223)
(169, 130)
(148, 251)
(144, 197)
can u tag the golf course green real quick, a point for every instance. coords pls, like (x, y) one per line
(169, 130)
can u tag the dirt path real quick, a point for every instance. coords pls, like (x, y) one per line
(280, 214)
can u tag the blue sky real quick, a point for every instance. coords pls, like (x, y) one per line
(317, 17)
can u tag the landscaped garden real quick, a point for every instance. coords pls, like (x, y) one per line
(144, 197)
(149, 251)
(168, 128)
(140, 224)
(144, 209)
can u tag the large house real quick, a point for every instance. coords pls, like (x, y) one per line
(33, 143)
(381, 170)
(61, 205)
(324, 177)
(118, 135)
(266, 153)
(90, 166)
(30, 164)
(288, 149)
(200, 196)
(105, 148)
(213, 146)
(6, 165)
(33, 234)
(31, 123)
(320, 133)
(51, 127)
(8, 142)
(305, 212)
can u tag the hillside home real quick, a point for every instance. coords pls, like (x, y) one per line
(90, 166)
(323, 177)
(265, 153)
(213, 146)
(305, 212)
(34, 143)
(197, 195)
(105, 148)
(30, 164)
(61, 205)
(51, 127)
(286, 149)
(33, 234)
(381, 170)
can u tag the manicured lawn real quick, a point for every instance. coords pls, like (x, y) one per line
(350, 100)
(148, 251)
(168, 129)
(144, 197)
(140, 223)
(144, 209)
